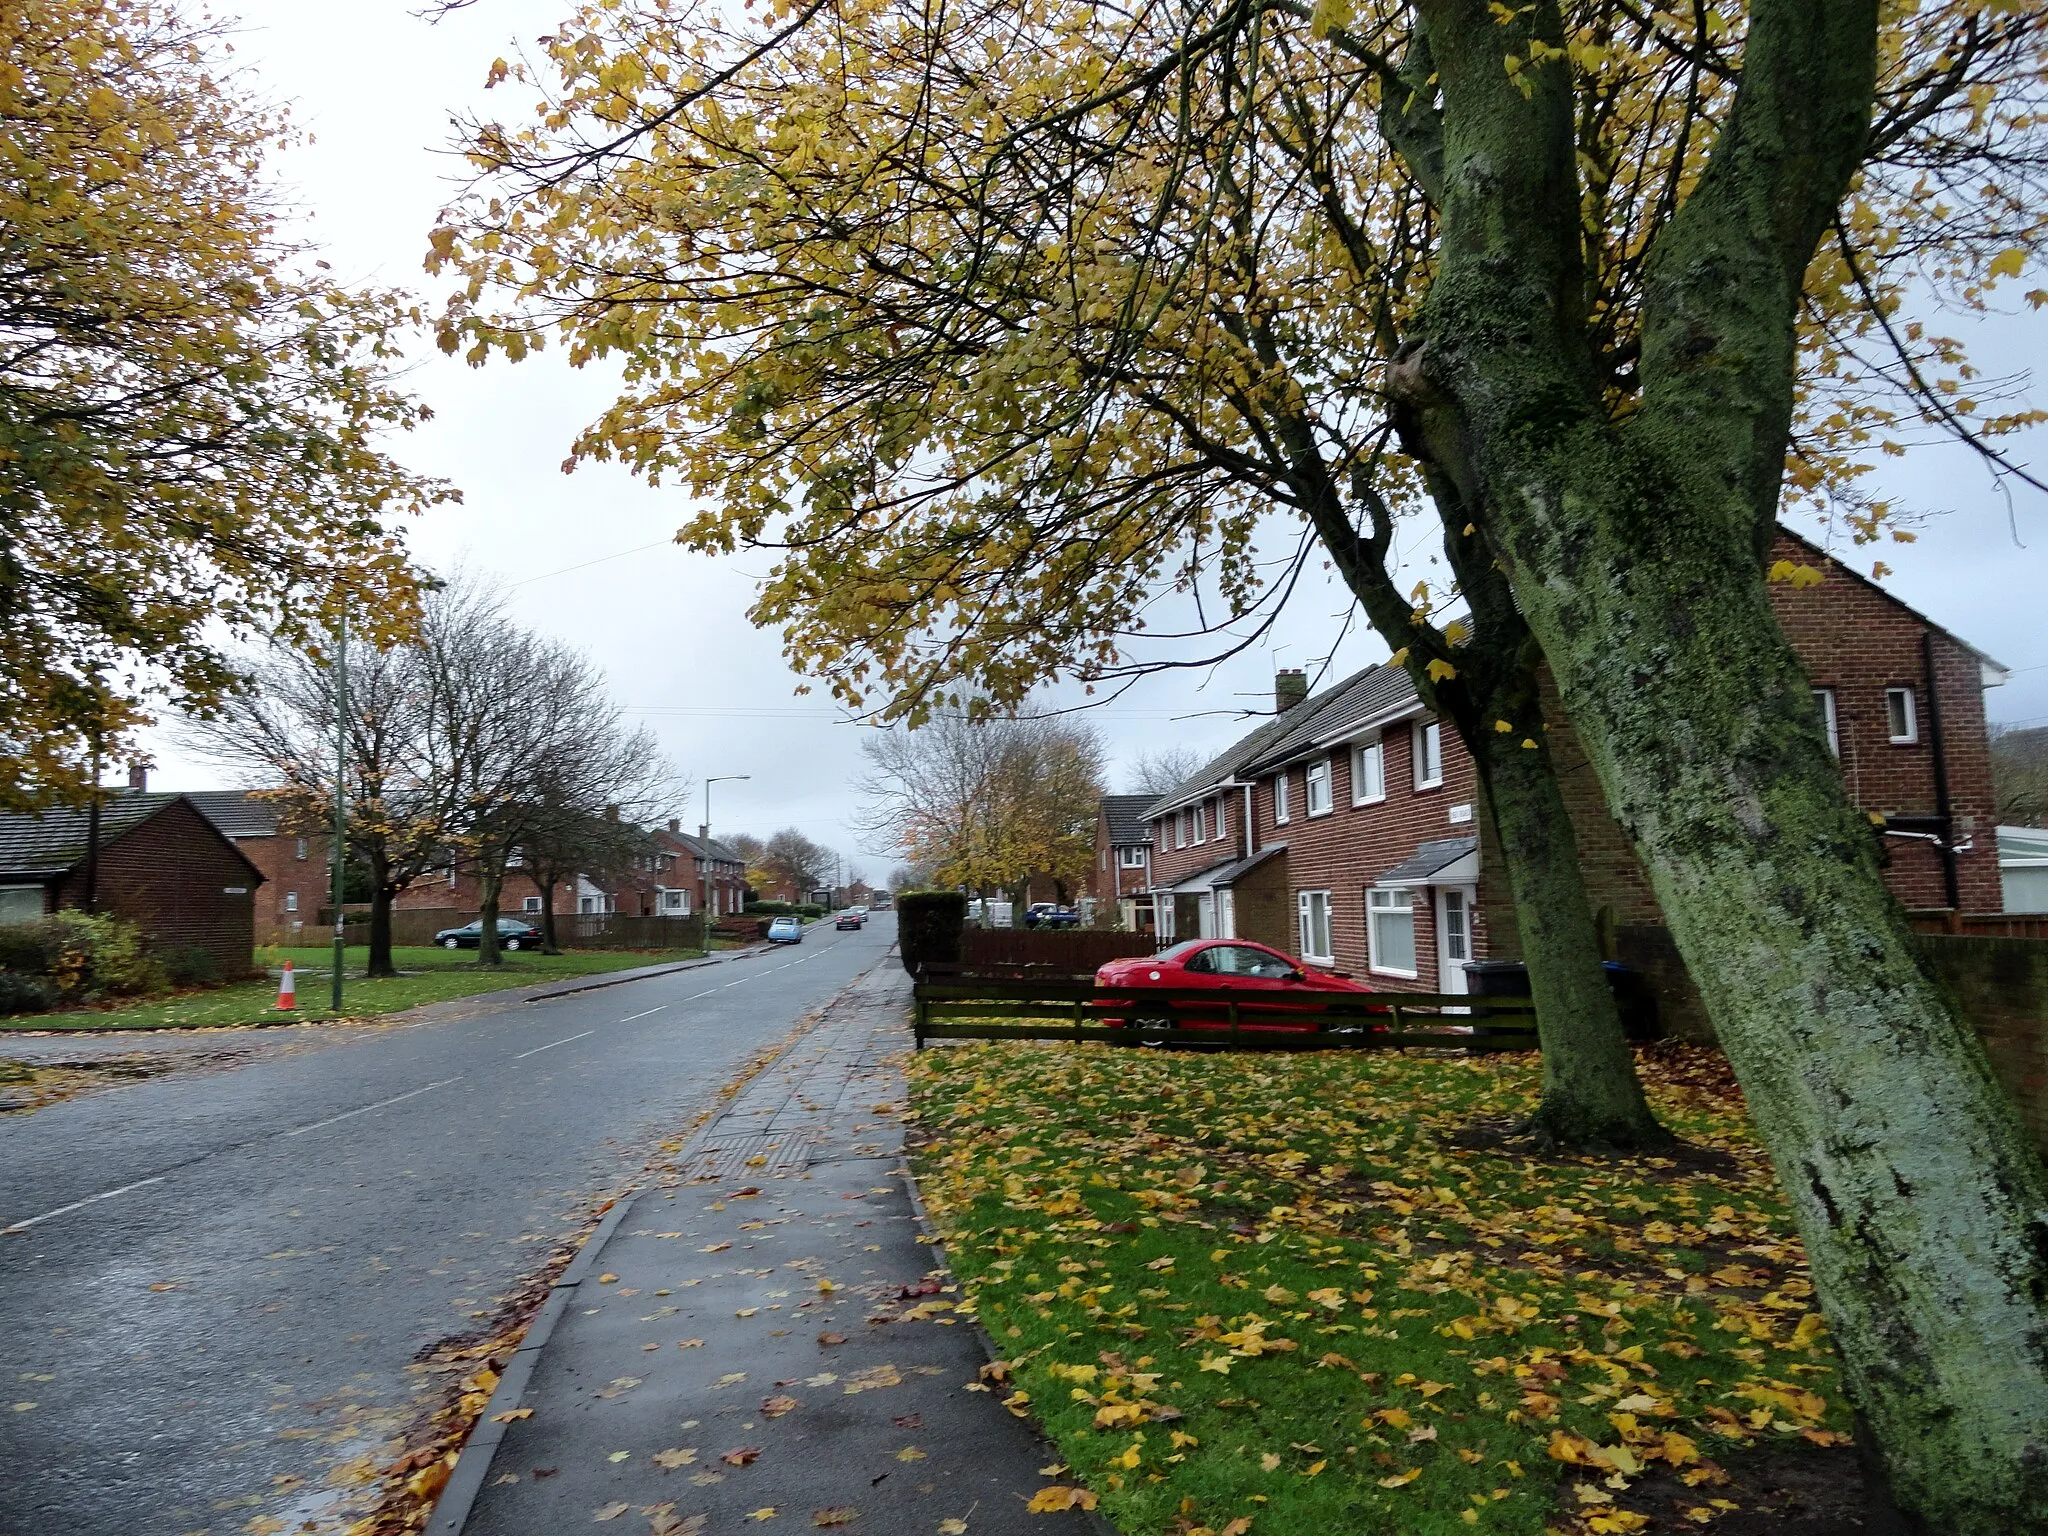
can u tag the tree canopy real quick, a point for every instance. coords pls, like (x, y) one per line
(190, 408)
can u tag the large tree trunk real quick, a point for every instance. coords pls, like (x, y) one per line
(382, 895)
(489, 882)
(1636, 548)
(1923, 1204)
(1591, 1095)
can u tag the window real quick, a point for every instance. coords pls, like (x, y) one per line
(531, 904)
(1201, 823)
(1223, 818)
(1368, 773)
(1180, 829)
(1314, 910)
(1390, 932)
(300, 851)
(1319, 803)
(291, 901)
(1133, 858)
(20, 903)
(1279, 798)
(1429, 754)
(1161, 828)
(1824, 703)
(451, 877)
(1900, 716)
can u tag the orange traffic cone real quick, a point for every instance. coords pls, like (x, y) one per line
(287, 991)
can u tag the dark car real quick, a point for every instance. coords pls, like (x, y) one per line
(1048, 914)
(1271, 990)
(512, 934)
(851, 920)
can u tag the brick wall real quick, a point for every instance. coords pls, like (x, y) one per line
(2002, 986)
(1171, 864)
(287, 875)
(180, 882)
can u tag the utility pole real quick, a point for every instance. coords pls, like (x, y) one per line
(340, 797)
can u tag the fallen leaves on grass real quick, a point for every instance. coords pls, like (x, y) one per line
(1257, 1247)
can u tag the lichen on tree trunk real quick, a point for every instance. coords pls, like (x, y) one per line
(382, 895)
(489, 884)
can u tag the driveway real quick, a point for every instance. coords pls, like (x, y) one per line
(219, 1278)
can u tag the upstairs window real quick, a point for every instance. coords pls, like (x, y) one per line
(1824, 706)
(1319, 801)
(1368, 773)
(1201, 824)
(1279, 799)
(1901, 716)
(1223, 818)
(1429, 755)
(1180, 829)
(1134, 858)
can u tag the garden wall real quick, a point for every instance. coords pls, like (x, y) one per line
(2001, 985)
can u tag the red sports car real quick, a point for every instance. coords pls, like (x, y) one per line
(1270, 990)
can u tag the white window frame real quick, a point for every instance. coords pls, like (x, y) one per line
(1909, 713)
(299, 852)
(1133, 857)
(1280, 808)
(1380, 902)
(1830, 719)
(1305, 904)
(1201, 820)
(1180, 829)
(1369, 784)
(1223, 818)
(1319, 773)
(1427, 742)
(291, 901)
(531, 904)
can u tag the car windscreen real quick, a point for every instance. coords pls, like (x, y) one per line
(1182, 950)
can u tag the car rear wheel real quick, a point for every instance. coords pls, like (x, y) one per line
(451, 943)
(511, 944)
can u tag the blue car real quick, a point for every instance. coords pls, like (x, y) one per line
(786, 930)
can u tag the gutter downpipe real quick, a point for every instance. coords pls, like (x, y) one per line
(1950, 879)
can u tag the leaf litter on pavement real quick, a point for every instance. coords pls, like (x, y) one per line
(1276, 1294)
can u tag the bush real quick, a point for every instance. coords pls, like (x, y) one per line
(190, 966)
(928, 925)
(24, 994)
(74, 957)
(809, 909)
(770, 909)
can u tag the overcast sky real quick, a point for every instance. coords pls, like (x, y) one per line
(376, 87)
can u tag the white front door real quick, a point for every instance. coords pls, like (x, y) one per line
(1205, 915)
(1453, 937)
(1226, 913)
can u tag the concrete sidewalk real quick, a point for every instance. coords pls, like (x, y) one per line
(762, 1341)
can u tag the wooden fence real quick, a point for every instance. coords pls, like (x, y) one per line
(965, 1009)
(1061, 951)
(1981, 925)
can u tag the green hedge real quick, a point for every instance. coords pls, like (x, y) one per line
(69, 958)
(928, 925)
(784, 909)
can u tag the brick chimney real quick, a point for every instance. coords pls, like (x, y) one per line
(1290, 687)
(138, 777)
(675, 825)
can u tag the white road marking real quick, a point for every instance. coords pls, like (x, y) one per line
(629, 1018)
(380, 1104)
(76, 1205)
(695, 995)
(551, 1045)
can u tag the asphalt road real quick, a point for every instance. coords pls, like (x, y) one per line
(229, 1272)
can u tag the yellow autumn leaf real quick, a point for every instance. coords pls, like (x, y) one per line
(2007, 263)
(1055, 1500)
(1401, 1479)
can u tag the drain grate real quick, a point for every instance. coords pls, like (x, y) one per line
(780, 1154)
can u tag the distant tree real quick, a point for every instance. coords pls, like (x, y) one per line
(986, 804)
(570, 842)
(278, 729)
(533, 746)
(1160, 772)
(792, 861)
(2019, 773)
(189, 406)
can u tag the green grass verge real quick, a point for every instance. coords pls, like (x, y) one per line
(429, 976)
(1282, 1295)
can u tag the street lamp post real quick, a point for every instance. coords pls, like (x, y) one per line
(723, 778)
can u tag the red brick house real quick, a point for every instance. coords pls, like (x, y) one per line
(159, 863)
(706, 875)
(1122, 876)
(1346, 829)
(295, 860)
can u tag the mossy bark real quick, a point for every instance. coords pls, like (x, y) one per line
(488, 886)
(1591, 1094)
(1635, 546)
(382, 895)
